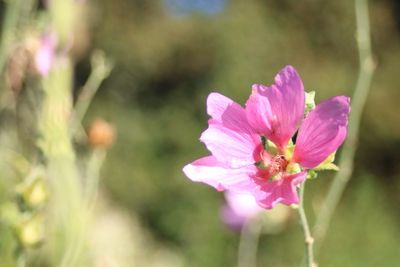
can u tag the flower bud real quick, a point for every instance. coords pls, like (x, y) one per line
(101, 134)
(33, 191)
(30, 231)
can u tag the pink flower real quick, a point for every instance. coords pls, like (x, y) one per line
(240, 160)
(45, 55)
(238, 209)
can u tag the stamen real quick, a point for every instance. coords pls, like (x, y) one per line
(273, 167)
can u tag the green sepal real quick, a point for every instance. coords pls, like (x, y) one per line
(260, 165)
(310, 102)
(328, 164)
(311, 174)
(293, 168)
(288, 153)
(264, 141)
(269, 146)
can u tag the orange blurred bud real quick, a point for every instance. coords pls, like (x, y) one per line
(101, 134)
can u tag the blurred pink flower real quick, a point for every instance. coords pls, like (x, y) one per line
(238, 209)
(45, 54)
(240, 161)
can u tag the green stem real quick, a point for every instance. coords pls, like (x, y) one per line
(248, 244)
(10, 24)
(101, 68)
(21, 262)
(93, 175)
(366, 70)
(20, 255)
(308, 239)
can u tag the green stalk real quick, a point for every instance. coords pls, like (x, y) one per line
(366, 71)
(308, 239)
(68, 214)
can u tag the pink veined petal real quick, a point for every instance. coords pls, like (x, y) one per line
(282, 191)
(229, 114)
(322, 132)
(219, 106)
(231, 147)
(212, 172)
(277, 111)
(258, 112)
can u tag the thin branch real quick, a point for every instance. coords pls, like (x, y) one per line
(101, 68)
(308, 239)
(10, 24)
(248, 244)
(366, 70)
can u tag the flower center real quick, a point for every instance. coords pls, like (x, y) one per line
(272, 167)
(278, 164)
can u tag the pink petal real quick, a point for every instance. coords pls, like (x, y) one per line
(244, 205)
(277, 111)
(229, 114)
(212, 172)
(228, 146)
(229, 136)
(232, 219)
(280, 191)
(217, 106)
(238, 209)
(322, 132)
(259, 112)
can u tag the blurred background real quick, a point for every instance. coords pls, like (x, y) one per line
(168, 56)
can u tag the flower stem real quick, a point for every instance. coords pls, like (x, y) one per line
(248, 244)
(21, 257)
(366, 70)
(308, 239)
(101, 68)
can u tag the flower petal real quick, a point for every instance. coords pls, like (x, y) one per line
(322, 132)
(212, 172)
(230, 146)
(232, 219)
(280, 191)
(218, 104)
(244, 205)
(228, 113)
(277, 111)
(259, 112)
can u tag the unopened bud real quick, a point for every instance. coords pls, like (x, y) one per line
(30, 231)
(101, 134)
(33, 191)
